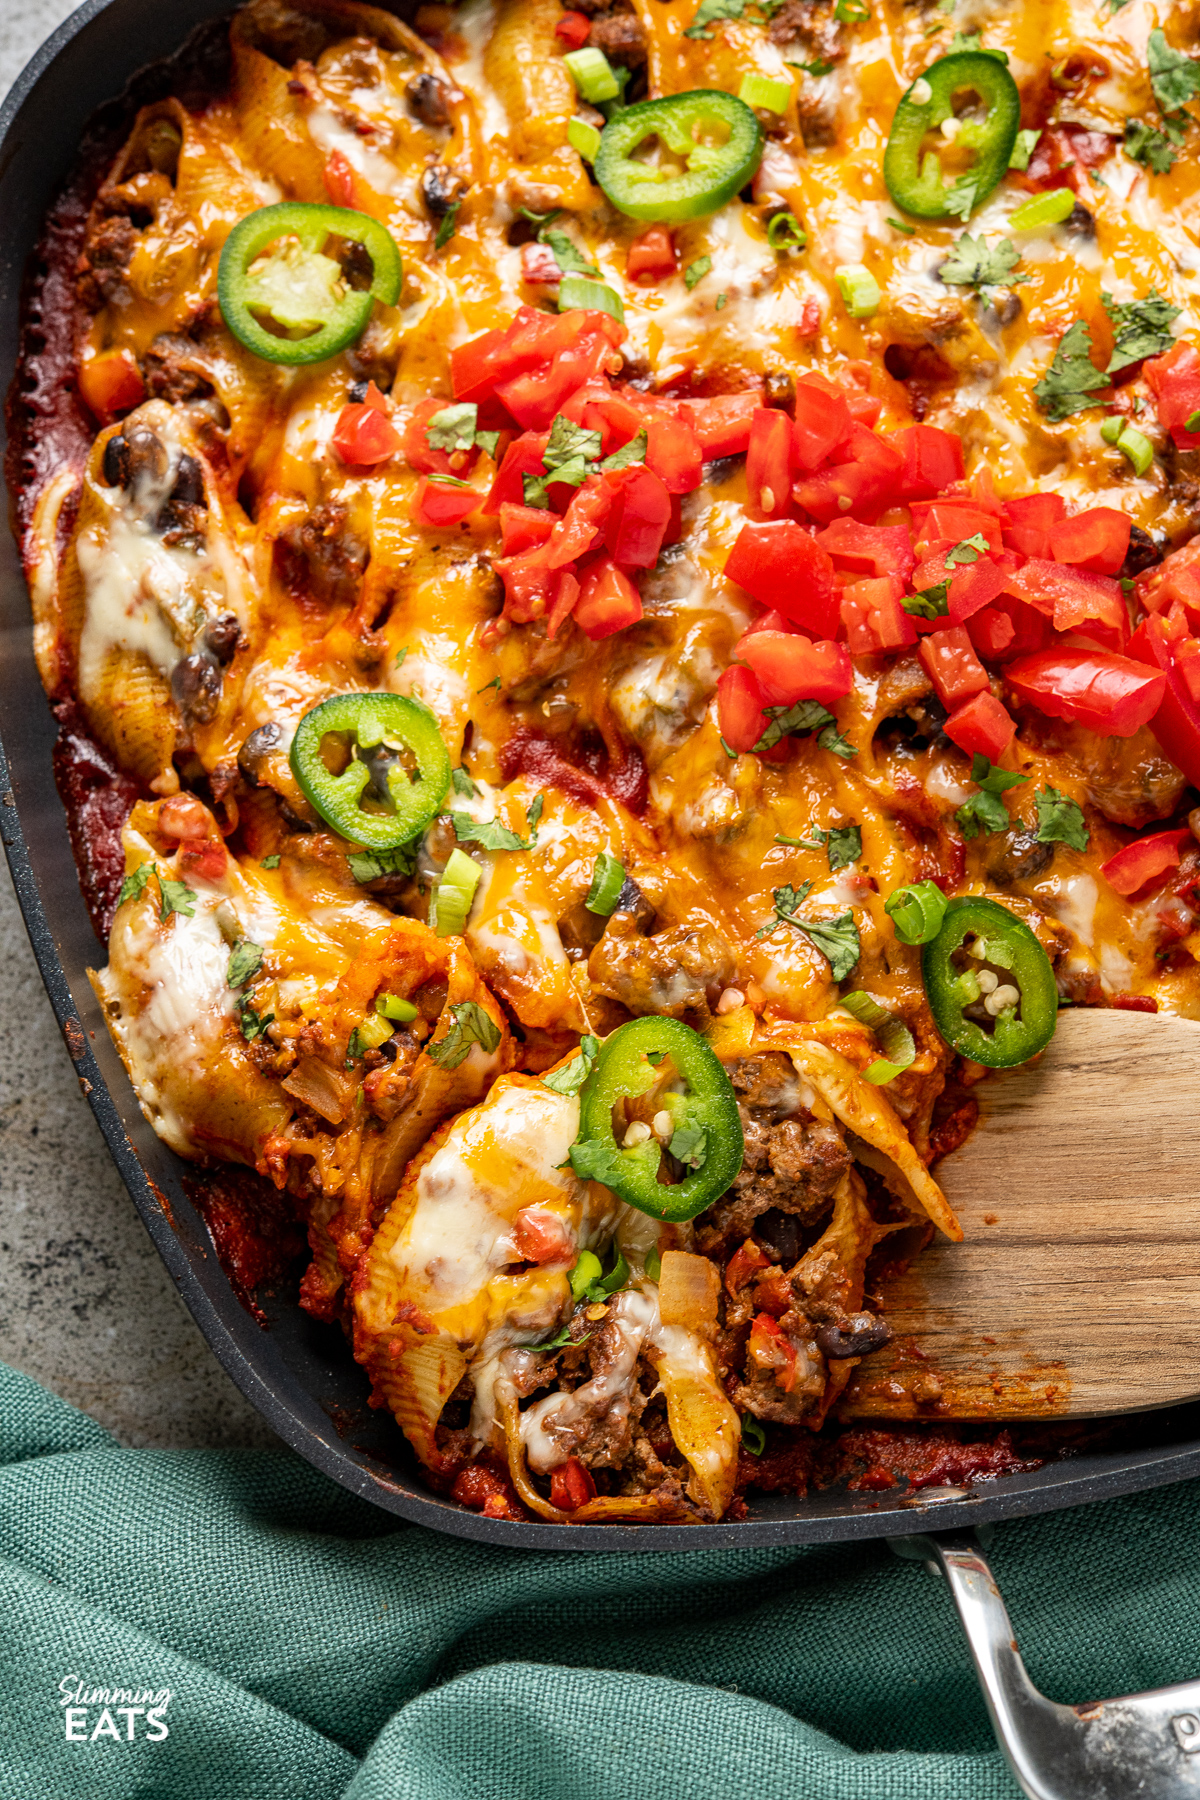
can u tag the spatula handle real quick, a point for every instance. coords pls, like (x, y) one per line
(1137, 1747)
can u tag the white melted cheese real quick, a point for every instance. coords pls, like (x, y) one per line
(550, 1425)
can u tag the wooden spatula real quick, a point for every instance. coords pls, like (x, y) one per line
(1076, 1290)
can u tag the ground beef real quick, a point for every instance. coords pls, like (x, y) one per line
(322, 557)
(621, 36)
(103, 267)
(672, 972)
(166, 377)
(1129, 779)
(811, 24)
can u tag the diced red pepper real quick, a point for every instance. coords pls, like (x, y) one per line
(784, 568)
(608, 600)
(524, 527)
(768, 464)
(364, 436)
(1175, 379)
(822, 421)
(339, 179)
(1029, 521)
(1145, 860)
(111, 384)
(792, 667)
(1070, 596)
(873, 618)
(930, 459)
(639, 519)
(1112, 695)
(1097, 539)
(981, 727)
(574, 29)
(740, 715)
(652, 256)
(440, 504)
(722, 423)
(808, 324)
(571, 1485)
(869, 549)
(523, 457)
(952, 666)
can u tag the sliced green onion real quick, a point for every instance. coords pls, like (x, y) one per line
(753, 1435)
(608, 878)
(895, 1039)
(453, 895)
(785, 232)
(616, 1278)
(592, 74)
(374, 1031)
(1192, 424)
(586, 1271)
(1137, 447)
(760, 90)
(917, 912)
(859, 290)
(1023, 149)
(583, 137)
(653, 1265)
(577, 291)
(393, 1007)
(1050, 208)
(1112, 428)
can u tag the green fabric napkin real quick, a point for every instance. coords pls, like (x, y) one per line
(315, 1648)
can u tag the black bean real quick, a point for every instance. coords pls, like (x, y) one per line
(856, 1336)
(1143, 553)
(779, 1234)
(1005, 305)
(257, 747)
(427, 100)
(189, 483)
(358, 393)
(632, 900)
(115, 466)
(147, 456)
(440, 189)
(781, 390)
(1017, 856)
(1080, 223)
(221, 636)
(196, 686)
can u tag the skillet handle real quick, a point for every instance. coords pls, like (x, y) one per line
(1137, 1747)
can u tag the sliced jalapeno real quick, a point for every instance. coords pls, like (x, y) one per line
(914, 174)
(716, 136)
(995, 1001)
(375, 737)
(297, 282)
(696, 1094)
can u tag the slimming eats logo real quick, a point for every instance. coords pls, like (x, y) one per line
(92, 1713)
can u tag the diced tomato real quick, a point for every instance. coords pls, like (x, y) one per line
(111, 384)
(209, 860)
(1028, 523)
(652, 256)
(784, 568)
(855, 380)
(771, 1348)
(364, 436)
(948, 523)
(1175, 379)
(339, 179)
(1009, 628)
(722, 423)
(673, 452)
(740, 715)
(1070, 596)
(930, 459)
(744, 1263)
(1176, 723)
(571, 1485)
(581, 525)
(768, 464)
(808, 325)
(415, 445)
(863, 484)
(523, 457)
(1097, 539)
(539, 266)
(1177, 578)
(440, 504)
(981, 727)
(1187, 661)
(608, 600)
(974, 586)
(574, 29)
(536, 362)
(869, 549)
(1062, 155)
(541, 1237)
(1112, 695)
(524, 527)
(792, 667)
(639, 519)
(536, 395)
(822, 422)
(563, 601)
(768, 621)
(952, 665)
(873, 618)
(1145, 860)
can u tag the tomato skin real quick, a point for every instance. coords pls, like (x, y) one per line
(440, 506)
(110, 384)
(574, 29)
(722, 423)
(571, 1486)
(1145, 860)
(1175, 379)
(869, 549)
(981, 727)
(791, 667)
(862, 484)
(524, 527)
(1029, 521)
(769, 464)
(652, 255)
(821, 424)
(930, 460)
(672, 451)
(1006, 630)
(974, 586)
(873, 618)
(1097, 539)
(1176, 724)
(785, 569)
(364, 436)
(608, 600)
(523, 457)
(1070, 596)
(740, 715)
(1113, 695)
(952, 666)
(639, 519)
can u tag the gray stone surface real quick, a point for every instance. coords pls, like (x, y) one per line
(85, 1304)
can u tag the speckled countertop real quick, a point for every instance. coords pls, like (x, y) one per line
(85, 1304)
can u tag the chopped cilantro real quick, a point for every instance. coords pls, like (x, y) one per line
(689, 1145)
(720, 301)
(632, 452)
(830, 738)
(816, 68)
(1023, 148)
(269, 862)
(844, 844)
(567, 254)
(837, 939)
(696, 271)
(930, 603)
(968, 551)
(244, 963)
(493, 683)
(177, 897)
(851, 12)
(369, 865)
(973, 262)
(446, 229)
(709, 11)
(1153, 148)
(961, 195)
(494, 836)
(1174, 77)
(487, 441)
(252, 1025)
(1071, 381)
(571, 1077)
(1060, 821)
(134, 885)
(471, 1025)
(899, 225)
(566, 458)
(985, 811)
(1141, 328)
(805, 715)
(453, 428)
